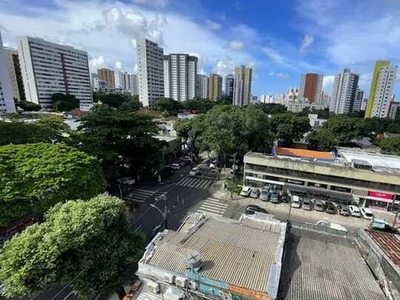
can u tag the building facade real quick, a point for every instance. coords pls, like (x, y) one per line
(180, 71)
(14, 70)
(49, 68)
(358, 100)
(267, 99)
(242, 86)
(344, 92)
(108, 76)
(202, 86)
(299, 105)
(7, 104)
(150, 71)
(214, 87)
(123, 80)
(133, 85)
(229, 84)
(311, 87)
(383, 80)
(394, 110)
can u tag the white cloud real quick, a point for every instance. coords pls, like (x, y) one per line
(282, 75)
(212, 25)
(155, 3)
(224, 67)
(274, 55)
(118, 65)
(235, 45)
(96, 63)
(327, 84)
(306, 42)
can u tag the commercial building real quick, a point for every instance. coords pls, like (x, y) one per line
(350, 176)
(150, 71)
(49, 68)
(180, 72)
(229, 83)
(394, 110)
(242, 86)
(7, 104)
(311, 87)
(214, 87)
(202, 86)
(14, 70)
(383, 80)
(344, 92)
(358, 100)
(107, 76)
(215, 258)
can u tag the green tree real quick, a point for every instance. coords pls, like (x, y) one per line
(123, 141)
(169, 105)
(322, 140)
(34, 177)
(342, 127)
(390, 145)
(131, 104)
(64, 102)
(28, 106)
(272, 108)
(289, 127)
(224, 100)
(84, 244)
(200, 105)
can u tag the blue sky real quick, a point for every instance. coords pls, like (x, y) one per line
(279, 39)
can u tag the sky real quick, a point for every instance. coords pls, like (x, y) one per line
(280, 40)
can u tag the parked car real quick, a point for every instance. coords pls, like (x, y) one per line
(284, 197)
(166, 171)
(343, 210)
(274, 197)
(126, 181)
(330, 225)
(331, 208)
(381, 225)
(354, 211)
(175, 166)
(251, 209)
(296, 201)
(194, 171)
(212, 166)
(307, 204)
(264, 195)
(255, 192)
(187, 159)
(367, 213)
(245, 191)
(319, 205)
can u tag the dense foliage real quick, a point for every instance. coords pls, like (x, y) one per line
(390, 145)
(84, 244)
(28, 106)
(34, 177)
(62, 102)
(123, 102)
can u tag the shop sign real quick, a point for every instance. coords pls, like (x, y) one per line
(318, 185)
(340, 189)
(296, 182)
(383, 196)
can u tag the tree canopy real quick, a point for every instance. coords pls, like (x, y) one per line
(64, 102)
(272, 108)
(34, 177)
(28, 106)
(169, 105)
(123, 102)
(289, 127)
(390, 145)
(84, 244)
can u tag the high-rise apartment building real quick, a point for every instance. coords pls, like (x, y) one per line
(214, 87)
(266, 99)
(49, 68)
(229, 80)
(394, 110)
(133, 85)
(107, 76)
(180, 72)
(242, 86)
(381, 91)
(150, 71)
(358, 100)
(311, 87)
(123, 80)
(7, 104)
(14, 70)
(344, 92)
(202, 86)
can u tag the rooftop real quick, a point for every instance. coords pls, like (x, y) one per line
(303, 153)
(389, 243)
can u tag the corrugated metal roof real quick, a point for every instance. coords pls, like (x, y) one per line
(304, 153)
(231, 253)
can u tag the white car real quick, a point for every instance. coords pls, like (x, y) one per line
(175, 166)
(296, 201)
(367, 213)
(212, 166)
(194, 171)
(245, 191)
(330, 225)
(354, 211)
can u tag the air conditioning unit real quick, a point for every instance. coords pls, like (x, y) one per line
(193, 285)
(169, 278)
(181, 281)
(153, 287)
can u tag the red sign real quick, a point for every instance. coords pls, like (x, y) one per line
(383, 196)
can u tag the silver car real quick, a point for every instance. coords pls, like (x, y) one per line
(264, 195)
(255, 193)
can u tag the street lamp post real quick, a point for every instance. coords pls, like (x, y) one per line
(164, 213)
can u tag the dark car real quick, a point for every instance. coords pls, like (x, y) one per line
(331, 208)
(251, 209)
(319, 205)
(343, 210)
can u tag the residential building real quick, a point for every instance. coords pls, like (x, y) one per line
(14, 70)
(242, 86)
(133, 85)
(123, 80)
(229, 83)
(344, 92)
(150, 71)
(202, 86)
(299, 105)
(394, 110)
(364, 104)
(94, 81)
(108, 76)
(7, 104)
(358, 100)
(292, 94)
(214, 87)
(315, 121)
(311, 87)
(49, 68)
(180, 72)
(349, 176)
(383, 80)
(266, 99)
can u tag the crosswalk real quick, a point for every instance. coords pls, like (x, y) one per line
(140, 195)
(194, 182)
(213, 206)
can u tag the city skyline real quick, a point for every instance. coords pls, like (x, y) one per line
(278, 50)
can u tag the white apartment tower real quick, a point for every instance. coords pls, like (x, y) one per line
(7, 104)
(242, 86)
(133, 85)
(14, 70)
(180, 72)
(150, 71)
(344, 92)
(358, 100)
(48, 68)
(202, 86)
